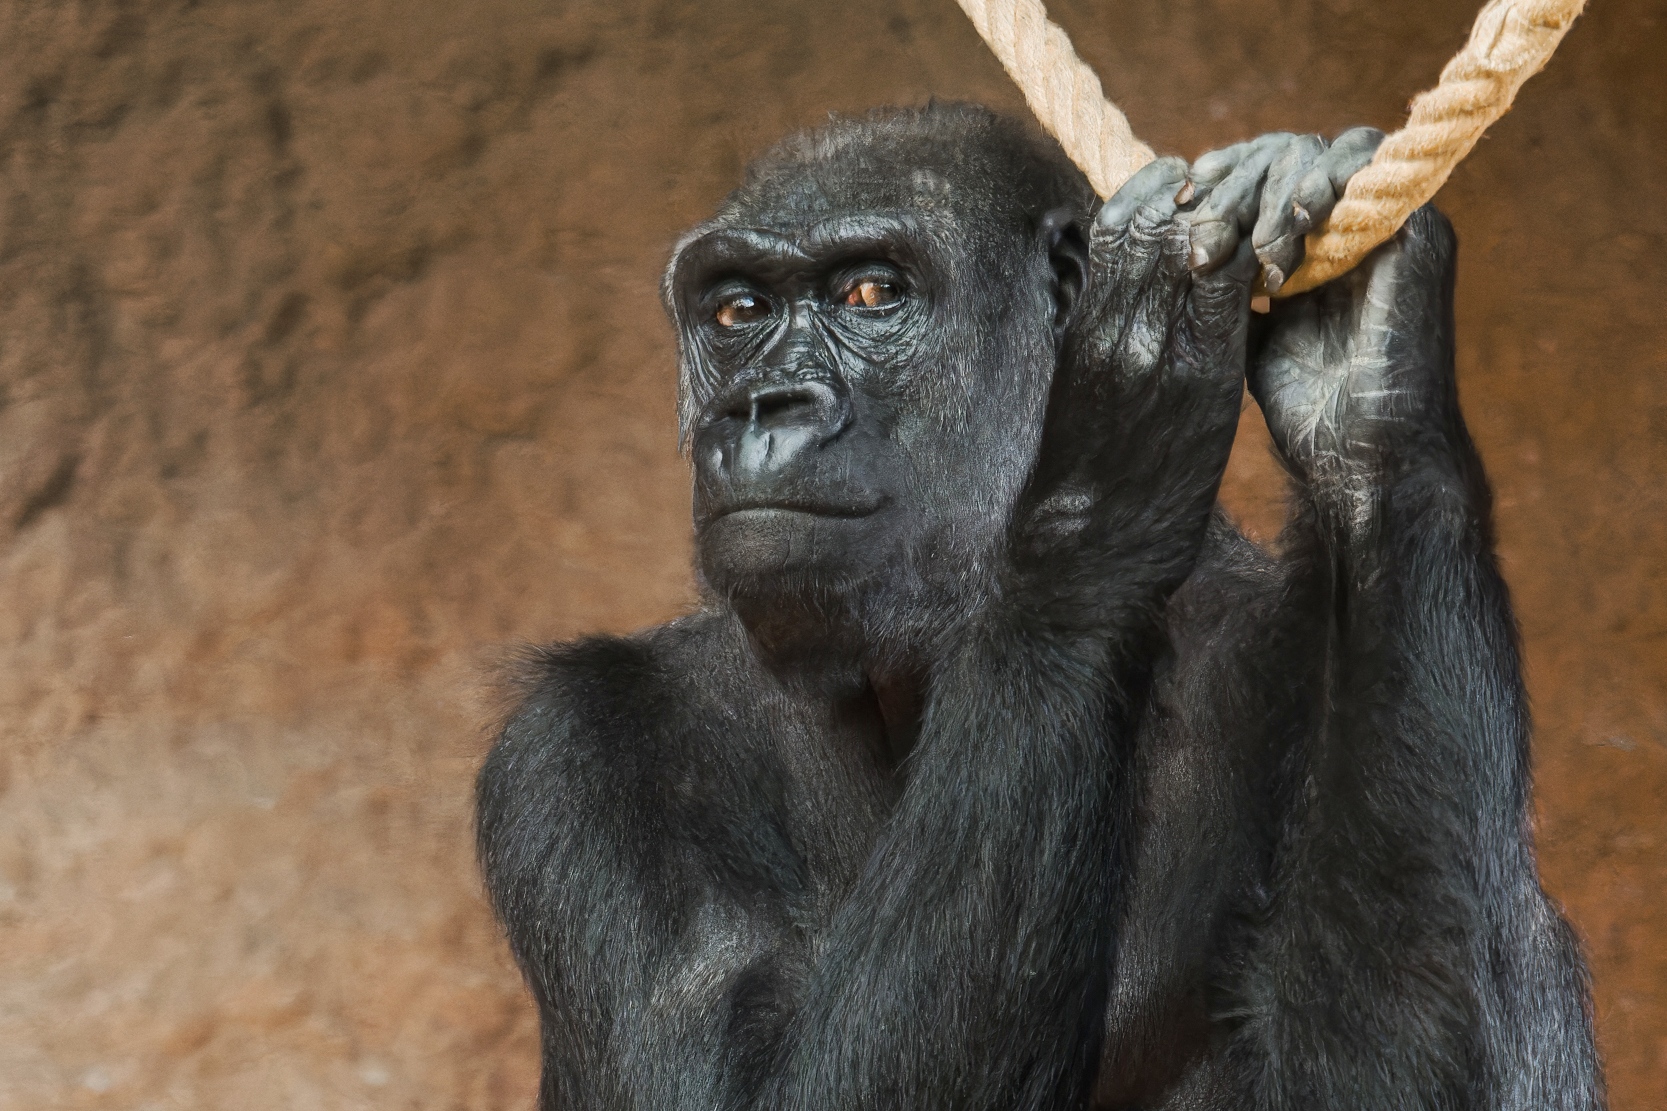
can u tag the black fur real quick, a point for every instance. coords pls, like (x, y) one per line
(997, 770)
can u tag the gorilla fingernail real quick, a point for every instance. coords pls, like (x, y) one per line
(1187, 191)
(1273, 277)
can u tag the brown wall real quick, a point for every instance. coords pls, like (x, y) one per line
(330, 358)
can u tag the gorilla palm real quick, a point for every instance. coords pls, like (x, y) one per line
(996, 770)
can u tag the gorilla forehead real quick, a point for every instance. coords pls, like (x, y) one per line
(950, 164)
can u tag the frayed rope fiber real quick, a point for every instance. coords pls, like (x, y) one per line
(1510, 42)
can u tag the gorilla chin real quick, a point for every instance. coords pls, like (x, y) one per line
(768, 551)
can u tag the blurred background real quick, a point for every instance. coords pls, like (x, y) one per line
(331, 362)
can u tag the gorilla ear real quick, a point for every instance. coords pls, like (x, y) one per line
(1068, 253)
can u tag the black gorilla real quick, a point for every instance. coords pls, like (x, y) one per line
(997, 770)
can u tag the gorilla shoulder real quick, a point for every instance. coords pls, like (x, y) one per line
(600, 713)
(609, 698)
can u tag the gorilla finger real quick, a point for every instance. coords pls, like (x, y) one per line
(1239, 271)
(1287, 170)
(1312, 200)
(1233, 197)
(1229, 212)
(1211, 168)
(1215, 327)
(1282, 258)
(1350, 154)
(1309, 203)
(1277, 239)
(1322, 187)
(1156, 181)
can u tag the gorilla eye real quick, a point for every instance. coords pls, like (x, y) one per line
(871, 293)
(741, 308)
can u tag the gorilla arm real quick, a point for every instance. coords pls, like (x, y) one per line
(971, 973)
(1408, 957)
(966, 966)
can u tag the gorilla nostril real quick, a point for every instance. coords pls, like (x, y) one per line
(771, 407)
(785, 405)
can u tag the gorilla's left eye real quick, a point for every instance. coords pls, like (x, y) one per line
(871, 293)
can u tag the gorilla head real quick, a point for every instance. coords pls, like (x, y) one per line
(868, 328)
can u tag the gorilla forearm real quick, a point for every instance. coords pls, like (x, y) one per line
(1404, 814)
(1427, 738)
(1017, 792)
(1412, 852)
(1020, 775)
(1404, 893)
(965, 967)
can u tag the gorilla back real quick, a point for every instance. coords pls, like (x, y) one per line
(996, 769)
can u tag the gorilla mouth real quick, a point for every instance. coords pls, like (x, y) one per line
(804, 506)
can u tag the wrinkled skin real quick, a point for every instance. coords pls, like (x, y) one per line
(1352, 377)
(997, 770)
(1276, 188)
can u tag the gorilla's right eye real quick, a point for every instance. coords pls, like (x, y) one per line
(741, 308)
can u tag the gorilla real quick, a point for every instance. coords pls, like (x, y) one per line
(996, 769)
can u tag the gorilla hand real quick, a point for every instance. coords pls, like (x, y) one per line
(1153, 330)
(1144, 405)
(1355, 378)
(1277, 189)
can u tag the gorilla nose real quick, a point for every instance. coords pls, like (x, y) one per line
(784, 420)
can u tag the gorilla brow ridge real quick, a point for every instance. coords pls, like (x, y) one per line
(1014, 174)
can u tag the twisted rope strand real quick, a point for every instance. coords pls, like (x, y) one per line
(1509, 43)
(1060, 88)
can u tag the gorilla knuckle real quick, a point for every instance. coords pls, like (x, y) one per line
(1430, 224)
(1429, 243)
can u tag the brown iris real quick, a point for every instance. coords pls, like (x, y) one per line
(872, 293)
(741, 308)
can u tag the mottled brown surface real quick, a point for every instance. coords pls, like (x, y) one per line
(330, 357)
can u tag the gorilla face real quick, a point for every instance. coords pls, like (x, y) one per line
(816, 452)
(867, 339)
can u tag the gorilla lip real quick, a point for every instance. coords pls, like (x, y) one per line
(810, 509)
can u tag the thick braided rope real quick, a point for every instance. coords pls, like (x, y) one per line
(1510, 42)
(1060, 88)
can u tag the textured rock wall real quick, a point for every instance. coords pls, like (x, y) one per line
(330, 359)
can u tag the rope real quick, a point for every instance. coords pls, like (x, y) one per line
(1061, 89)
(1510, 42)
